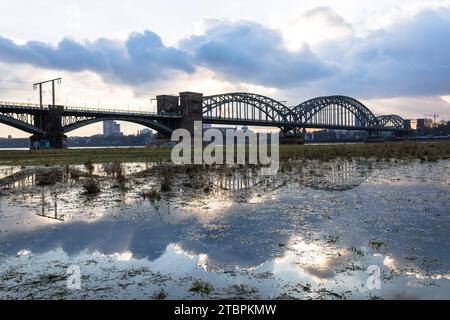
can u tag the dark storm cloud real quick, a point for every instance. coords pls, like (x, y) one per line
(142, 57)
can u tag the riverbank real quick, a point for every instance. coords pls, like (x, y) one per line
(426, 151)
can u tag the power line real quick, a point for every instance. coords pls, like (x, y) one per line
(14, 81)
(4, 88)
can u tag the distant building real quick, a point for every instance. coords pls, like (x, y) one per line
(111, 128)
(9, 137)
(145, 131)
(423, 124)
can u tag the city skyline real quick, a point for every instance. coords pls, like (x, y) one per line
(397, 61)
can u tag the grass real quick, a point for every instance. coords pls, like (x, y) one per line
(426, 151)
(376, 244)
(160, 295)
(201, 287)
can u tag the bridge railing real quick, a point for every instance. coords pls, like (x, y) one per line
(120, 111)
(32, 106)
(20, 104)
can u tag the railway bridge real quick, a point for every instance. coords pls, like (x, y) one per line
(49, 124)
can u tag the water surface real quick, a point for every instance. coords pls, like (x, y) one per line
(311, 232)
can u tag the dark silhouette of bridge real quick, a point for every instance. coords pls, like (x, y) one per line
(50, 123)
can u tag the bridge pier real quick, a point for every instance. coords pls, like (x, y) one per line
(51, 123)
(374, 137)
(191, 108)
(189, 104)
(292, 136)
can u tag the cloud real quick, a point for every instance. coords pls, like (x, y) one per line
(328, 17)
(410, 57)
(141, 58)
(249, 52)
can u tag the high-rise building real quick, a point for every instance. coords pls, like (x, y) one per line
(111, 128)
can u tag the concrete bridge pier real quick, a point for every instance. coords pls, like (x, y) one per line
(51, 123)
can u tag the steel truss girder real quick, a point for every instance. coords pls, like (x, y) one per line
(21, 121)
(75, 122)
(333, 111)
(249, 106)
(307, 110)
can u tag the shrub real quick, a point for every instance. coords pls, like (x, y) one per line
(120, 176)
(152, 195)
(88, 165)
(160, 295)
(166, 179)
(91, 186)
(202, 287)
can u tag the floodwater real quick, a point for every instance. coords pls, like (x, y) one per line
(360, 229)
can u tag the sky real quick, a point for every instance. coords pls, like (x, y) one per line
(394, 56)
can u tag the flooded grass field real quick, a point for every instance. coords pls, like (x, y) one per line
(316, 230)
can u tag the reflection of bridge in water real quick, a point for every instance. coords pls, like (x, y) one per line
(332, 176)
(337, 176)
(47, 206)
(49, 124)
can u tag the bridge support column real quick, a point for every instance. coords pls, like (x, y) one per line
(191, 107)
(51, 123)
(292, 136)
(374, 137)
(189, 104)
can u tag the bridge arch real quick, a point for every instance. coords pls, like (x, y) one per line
(335, 110)
(235, 106)
(19, 124)
(391, 121)
(152, 124)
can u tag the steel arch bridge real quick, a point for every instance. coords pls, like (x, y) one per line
(331, 112)
(239, 108)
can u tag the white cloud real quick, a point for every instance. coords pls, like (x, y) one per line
(313, 26)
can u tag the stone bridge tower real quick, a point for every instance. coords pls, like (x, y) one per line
(50, 122)
(189, 104)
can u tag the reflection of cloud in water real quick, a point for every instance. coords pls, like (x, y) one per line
(216, 230)
(121, 275)
(319, 260)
